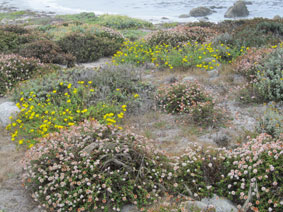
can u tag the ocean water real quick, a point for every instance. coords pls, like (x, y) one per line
(153, 10)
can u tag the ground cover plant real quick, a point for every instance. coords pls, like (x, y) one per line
(270, 77)
(120, 83)
(247, 64)
(198, 171)
(112, 21)
(86, 42)
(87, 48)
(257, 33)
(271, 122)
(57, 32)
(122, 22)
(84, 17)
(64, 98)
(112, 169)
(14, 15)
(12, 37)
(47, 52)
(81, 156)
(264, 75)
(253, 176)
(203, 56)
(189, 98)
(62, 108)
(14, 69)
(180, 34)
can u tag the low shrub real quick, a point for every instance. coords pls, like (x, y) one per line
(11, 38)
(253, 175)
(111, 83)
(228, 54)
(271, 122)
(122, 22)
(59, 109)
(258, 32)
(247, 64)
(83, 17)
(92, 167)
(224, 38)
(134, 34)
(188, 98)
(59, 31)
(180, 34)
(249, 94)
(269, 77)
(187, 55)
(198, 171)
(14, 68)
(20, 30)
(47, 52)
(88, 48)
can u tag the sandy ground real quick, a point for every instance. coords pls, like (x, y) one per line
(13, 197)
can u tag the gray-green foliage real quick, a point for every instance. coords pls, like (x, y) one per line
(271, 122)
(112, 83)
(270, 77)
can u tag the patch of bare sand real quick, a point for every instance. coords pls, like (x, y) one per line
(13, 197)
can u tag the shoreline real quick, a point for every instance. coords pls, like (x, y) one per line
(216, 17)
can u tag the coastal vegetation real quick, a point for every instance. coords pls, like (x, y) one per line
(87, 133)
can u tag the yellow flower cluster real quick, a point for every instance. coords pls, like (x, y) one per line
(183, 55)
(38, 118)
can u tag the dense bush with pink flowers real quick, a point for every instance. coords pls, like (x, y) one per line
(14, 68)
(189, 98)
(249, 175)
(198, 170)
(248, 63)
(180, 34)
(92, 167)
(254, 174)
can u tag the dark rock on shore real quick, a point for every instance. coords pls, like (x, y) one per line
(200, 12)
(215, 7)
(184, 16)
(239, 9)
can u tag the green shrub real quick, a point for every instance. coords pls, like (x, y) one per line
(258, 32)
(274, 28)
(88, 48)
(120, 84)
(15, 29)
(59, 31)
(133, 34)
(47, 52)
(84, 17)
(14, 68)
(13, 37)
(92, 167)
(61, 108)
(249, 94)
(122, 22)
(269, 77)
(271, 123)
(14, 15)
(224, 38)
(188, 98)
(187, 55)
